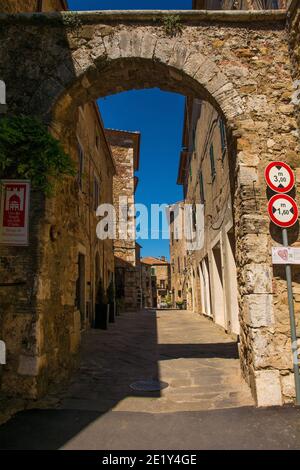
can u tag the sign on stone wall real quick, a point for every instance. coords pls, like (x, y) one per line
(283, 210)
(285, 255)
(279, 177)
(14, 221)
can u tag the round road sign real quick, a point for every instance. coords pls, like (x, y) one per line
(283, 210)
(279, 177)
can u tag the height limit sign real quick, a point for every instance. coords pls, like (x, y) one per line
(279, 177)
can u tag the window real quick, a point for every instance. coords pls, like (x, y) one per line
(223, 136)
(80, 163)
(201, 184)
(179, 265)
(179, 293)
(274, 5)
(96, 193)
(152, 271)
(162, 284)
(212, 162)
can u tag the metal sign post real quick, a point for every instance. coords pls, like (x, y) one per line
(288, 273)
(283, 212)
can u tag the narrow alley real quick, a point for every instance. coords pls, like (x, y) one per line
(99, 410)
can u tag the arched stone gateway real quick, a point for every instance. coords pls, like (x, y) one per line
(239, 62)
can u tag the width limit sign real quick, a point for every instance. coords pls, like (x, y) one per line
(283, 210)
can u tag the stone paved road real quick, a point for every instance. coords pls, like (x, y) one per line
(207, 406)
(196, 358)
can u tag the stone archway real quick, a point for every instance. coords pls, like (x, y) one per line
(239, 62)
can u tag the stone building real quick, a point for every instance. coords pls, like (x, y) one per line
(204, 172)
(126, 151)
(178, 255)
(161, 279)
(16, 6)
(240, 4)
(146, 285)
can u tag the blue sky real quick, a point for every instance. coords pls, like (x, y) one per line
(130, 4)
(157, 115)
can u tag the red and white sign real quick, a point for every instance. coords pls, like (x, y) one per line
(283, 210)
(279, 177)
(14, 221)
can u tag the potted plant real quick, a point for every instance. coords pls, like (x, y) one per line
(101, 309)
(179, 304)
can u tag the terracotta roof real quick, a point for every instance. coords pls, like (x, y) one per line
(154, 261)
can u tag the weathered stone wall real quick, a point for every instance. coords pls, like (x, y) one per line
(40, 321)
(237, 61)
(178, 256)
(125, 149)
(146, 285)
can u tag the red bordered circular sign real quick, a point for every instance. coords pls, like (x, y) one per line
(283, 210)
(279, 177)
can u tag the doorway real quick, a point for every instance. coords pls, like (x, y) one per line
(80, 290)
(218, 286)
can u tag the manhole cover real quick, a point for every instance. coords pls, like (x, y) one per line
(149, 385)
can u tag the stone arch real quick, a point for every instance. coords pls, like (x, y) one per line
(128, 60)
(239, 62)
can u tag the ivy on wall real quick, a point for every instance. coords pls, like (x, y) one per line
(29, 151)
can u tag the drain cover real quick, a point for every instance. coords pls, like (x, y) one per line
(149, 385)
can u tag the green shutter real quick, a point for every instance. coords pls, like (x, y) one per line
(212, 162)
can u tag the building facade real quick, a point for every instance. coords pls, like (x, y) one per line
(204, 172)
(160, 280)
(17, 6)
(125, 147)
(178, 256)
(146, 285)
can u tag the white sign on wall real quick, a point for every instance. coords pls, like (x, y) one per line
(285, 255)
(14, 214)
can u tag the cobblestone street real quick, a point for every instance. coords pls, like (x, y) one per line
(206, 394)
(196, 358)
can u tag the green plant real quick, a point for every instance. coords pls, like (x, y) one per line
(172, 25)
(29, 151)
(71, 20)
